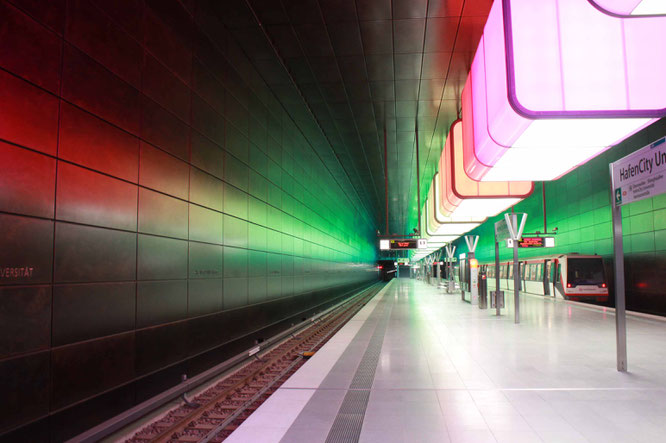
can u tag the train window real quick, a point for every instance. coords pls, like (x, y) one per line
(539, 269)
(585, 271)
(510, 271)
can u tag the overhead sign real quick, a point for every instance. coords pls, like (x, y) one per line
(640, 174)
(403, 261)
(409, 243)
(533, 242)
(384, 245)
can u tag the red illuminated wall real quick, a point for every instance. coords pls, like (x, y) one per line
(156, 208)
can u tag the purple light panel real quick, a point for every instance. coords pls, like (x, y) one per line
(567, 61)
(631, 7)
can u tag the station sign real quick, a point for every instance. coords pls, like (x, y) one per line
(403, 261)
(408, 243)
(640, 175)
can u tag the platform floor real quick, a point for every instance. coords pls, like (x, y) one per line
(419, 365)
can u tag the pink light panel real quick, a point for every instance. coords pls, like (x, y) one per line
(444, 227)
(631, 7)
(490, 197)
(579, 80)
(463, 195)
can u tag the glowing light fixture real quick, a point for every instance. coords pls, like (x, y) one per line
(554, 83)
(466, 196)
(440, 211)
(631, 7)
(447, 229)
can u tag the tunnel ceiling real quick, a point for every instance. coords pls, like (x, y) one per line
(353, 73)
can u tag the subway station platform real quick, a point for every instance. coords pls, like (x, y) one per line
(419, 365)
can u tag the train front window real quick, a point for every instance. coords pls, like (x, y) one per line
(585, 271)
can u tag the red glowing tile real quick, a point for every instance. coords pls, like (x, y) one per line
(92, 142)
(28, 183)
(28, 115)
(28, 49)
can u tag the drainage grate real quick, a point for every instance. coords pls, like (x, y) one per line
(349, 421)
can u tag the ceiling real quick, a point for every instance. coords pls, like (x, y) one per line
(362, 76)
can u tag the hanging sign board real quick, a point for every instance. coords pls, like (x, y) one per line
(409, 243)
(534, 242)
(640, 175)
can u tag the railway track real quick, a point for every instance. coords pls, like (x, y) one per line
(214, 414)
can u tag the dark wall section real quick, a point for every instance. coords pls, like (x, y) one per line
(159, 209)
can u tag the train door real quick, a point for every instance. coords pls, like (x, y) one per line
(558, 288)
(546, 275)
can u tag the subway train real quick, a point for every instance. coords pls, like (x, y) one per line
(568, 276)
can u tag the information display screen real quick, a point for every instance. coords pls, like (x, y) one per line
(408, 243)
(532, 242)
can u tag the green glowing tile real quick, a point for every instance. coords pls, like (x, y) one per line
(235, 202)
(641, 223)
(642, 242)
(257, 237)
(603, 247)
(659, 219)
(640, 207)
(235, 262)
(660, 240)
(659, 201)
(235, 232)
(603, 231)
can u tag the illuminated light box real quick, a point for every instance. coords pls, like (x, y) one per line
(440, 212)
(446, 228)
(631, 7)
(467, 196)
(554, 83)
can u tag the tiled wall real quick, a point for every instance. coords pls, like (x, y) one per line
(158, 208)
(579, 205)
